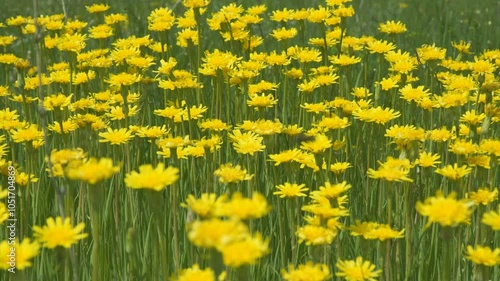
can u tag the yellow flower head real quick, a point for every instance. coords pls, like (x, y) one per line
(244, 251)
(484, 196)
(454, 172)
(152, 178)
(24, 252)
(483, 255)
(229, 174)
(97, 8)
(290, 190)
(195, 273)
(357, 270)
(391, 27)
(59, 233)
(447, 211)
(306, 272)
(242, 208)
(92, 171)
(492, 219)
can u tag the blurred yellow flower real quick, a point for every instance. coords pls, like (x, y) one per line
(306, 272)
(483, 255)
(92, 170)
(447, 211)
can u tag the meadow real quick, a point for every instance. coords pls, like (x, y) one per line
(249, 140)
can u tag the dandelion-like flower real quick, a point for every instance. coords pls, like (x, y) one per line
(228, 173)
(492, 219)
(116, 137)
(92, 171)
(447, 211)
(59, 233)
(484, 196)
(453, 172)
(357, 270)
(307, 272)
(152, 178)
(290, 190)
(24, 252)
(483, 255)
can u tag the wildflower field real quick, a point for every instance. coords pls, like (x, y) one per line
(250, 140)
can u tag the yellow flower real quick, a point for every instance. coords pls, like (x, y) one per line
(123, 79)
(24, 252)
(100, 31)
(361, 228)
(479, 160)
(246, 143)
(392, 172)
(290, 190)
(92, 171)
(206, 205)
(229, 174)
(413, 94)
(454, 172)
(64, 128)
(490, 146)
(283, 33)
(340, 167)
(383, 232)
(388, 83)
(315, 235)
(307, 272)
(244, 251)
(344, 60)
(72, 42)
(430, 53)
(161, 19)
(319, 144)
(152, 178)
(404, 135)
(115, 18)
(440, 135)
(380, 47)
(331, 191)
(447, 211)
(492, 219)
(472, 118)
(215, 233)
(483, 255)
(195, 273)
(284, 156)
(483, 196)
(30, 133)
(378, 115)
(357, 270)
(59, 233)
(461, 47)
(242, 208)
(391, 27)
(152, 132)
(427, 159)
(262, 101)
(97, 8)
(217, 60)
(195, 4)
(116, 137)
